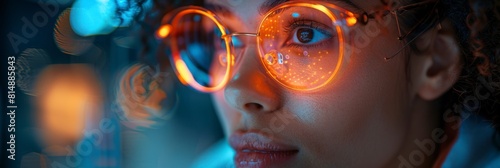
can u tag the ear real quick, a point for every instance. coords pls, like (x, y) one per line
(440, 61)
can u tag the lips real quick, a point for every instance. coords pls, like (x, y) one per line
(256, 150)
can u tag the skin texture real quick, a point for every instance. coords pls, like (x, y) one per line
(369, 116)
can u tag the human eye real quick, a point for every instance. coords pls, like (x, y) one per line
(307, 33)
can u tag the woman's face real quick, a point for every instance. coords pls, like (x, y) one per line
(362, 119)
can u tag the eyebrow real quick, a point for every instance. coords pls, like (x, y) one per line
(268, 5)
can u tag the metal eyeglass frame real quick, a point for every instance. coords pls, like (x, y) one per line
(351, 19)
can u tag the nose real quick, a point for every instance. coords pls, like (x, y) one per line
(250, 90)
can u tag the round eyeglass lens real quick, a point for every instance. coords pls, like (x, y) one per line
(301, 46)
(199, 43)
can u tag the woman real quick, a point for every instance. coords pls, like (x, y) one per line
(344, 83)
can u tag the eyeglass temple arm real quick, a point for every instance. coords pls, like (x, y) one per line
(366, 17)
(401, 37)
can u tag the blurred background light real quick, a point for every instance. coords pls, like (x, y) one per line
(69, 99)
(93, 17)
(67, 40)
(71, 81)
(143, 97)
(29, 64)
(99, 17)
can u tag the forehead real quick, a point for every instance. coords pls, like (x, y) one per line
(236, 7)
(245, 15)
(262, 6)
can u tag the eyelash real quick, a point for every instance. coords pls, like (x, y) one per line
(295, 23)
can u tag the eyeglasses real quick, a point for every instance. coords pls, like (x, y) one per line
(302, 45)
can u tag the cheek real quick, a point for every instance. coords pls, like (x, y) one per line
(362, 115)
(228, 116)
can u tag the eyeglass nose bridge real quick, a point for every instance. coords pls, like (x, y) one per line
(237, 48)
(240, 34)
(236, 34)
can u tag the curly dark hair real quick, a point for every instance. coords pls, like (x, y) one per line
(477, 27)
(482, 57)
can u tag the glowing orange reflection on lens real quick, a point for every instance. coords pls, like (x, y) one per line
(182, 70)
(164, 31)
(321, 66)
(351, 21)
(300, 66)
